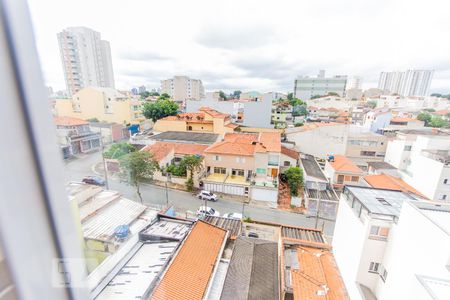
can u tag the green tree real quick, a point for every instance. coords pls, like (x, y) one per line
(159, 109)
(118, 150)
(193, 163)
(372, 104)
(300, 111)
(237, 94)
(296, 102)
(429, 109)
(290, 96)
(333, 94)
(164, 96)
(317, 96)
(438, 122)
(425, 117)
(294, 179)
(94, 120)
(144, 94)
(136, 167)
(222, 95)
(154, 94)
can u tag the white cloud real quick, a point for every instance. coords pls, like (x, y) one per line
(251, 45)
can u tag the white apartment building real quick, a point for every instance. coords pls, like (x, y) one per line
(377, 119)
(332, 102)
(182, 88)
(422, 158)
(415, 103)
(407, 83)
(355, 82)
(305, 87)
(86, 59)
(391, 245)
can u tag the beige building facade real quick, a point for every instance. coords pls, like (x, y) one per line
(103, 104)
(205, 120)
(182, 88)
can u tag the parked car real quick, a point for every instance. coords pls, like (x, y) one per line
(253, 235)
(207, 195)
(235, 216)
(95, 180)
(207, 211)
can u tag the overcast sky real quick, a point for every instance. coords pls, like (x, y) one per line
(252, 45)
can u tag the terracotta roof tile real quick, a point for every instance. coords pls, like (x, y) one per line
(271, 140)
(385, 181)
(247, 143)
(398, 119)
(189, 274)
(343, 164)
(214, 113)
(289, 152)
(69, 121)
(317, 269)
(442, 112)
(231, 148)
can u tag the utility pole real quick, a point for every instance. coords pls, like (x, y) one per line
(243, 207)
(167, 195)
(318, 204)
(104, 163)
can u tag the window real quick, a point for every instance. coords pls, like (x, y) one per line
(347, 178)
(378, 232)
(240, 159)
(445, 181)
(367, 153)
(383, 201)
(355, 178)
(286, 163)
(407, 148)
(373, 267)
(218, 170)
(340, 179)
(217, 158)
(383, 273)
(444, 197)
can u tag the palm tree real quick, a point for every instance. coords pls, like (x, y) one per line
(193, 163)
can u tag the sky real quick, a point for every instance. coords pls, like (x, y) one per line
(252, 45)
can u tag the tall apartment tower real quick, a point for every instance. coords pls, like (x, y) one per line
(407, 83)
(181, 88)
(86, 59)
(305, 87)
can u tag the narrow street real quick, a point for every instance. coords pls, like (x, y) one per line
(182, 201)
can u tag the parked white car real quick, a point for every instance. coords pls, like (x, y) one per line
(207, 195)
(235, 216)
(207, 211)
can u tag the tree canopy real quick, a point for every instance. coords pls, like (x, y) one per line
(118, 150)
(425, 117)
(438, 122)
(300, 111)
(136, 167)
(161, 108)
(372, 104)
(222, 95)
(294, 179)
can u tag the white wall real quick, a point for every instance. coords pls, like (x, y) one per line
(416, 247)
(313, 141)
(348, 242)
(264, 194)
(396, 155)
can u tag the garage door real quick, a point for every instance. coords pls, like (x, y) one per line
(269, 195)
(213, 187)
(233, 190)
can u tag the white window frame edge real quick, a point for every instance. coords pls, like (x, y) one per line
(36, 222)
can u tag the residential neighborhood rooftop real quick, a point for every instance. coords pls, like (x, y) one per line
(253, 271)
(290, 152)
(380, 165)
(343, 164)
(311, 273)
(186, 137)
(190, 272)
(69, 121)
(232, 225)
(379, 201)
(247, 144)
(311, 167)
(161, 149)
(388, 182)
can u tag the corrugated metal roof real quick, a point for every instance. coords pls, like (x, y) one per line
(302, 234)
(135, 278)
(232, 225)
(219, 280)
(253, 271)
(101, 226)
(97, 202)
(167, 229)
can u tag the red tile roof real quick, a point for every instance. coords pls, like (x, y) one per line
(161, 149)
(317, 276)
(247, 144)
(442, 112)
(190, 272)
(399, 119)
(385, 181)
(69, 121)
(343, 164)
(214, 113)
(289, 152)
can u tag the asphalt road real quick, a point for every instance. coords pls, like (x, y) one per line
(183, 202)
